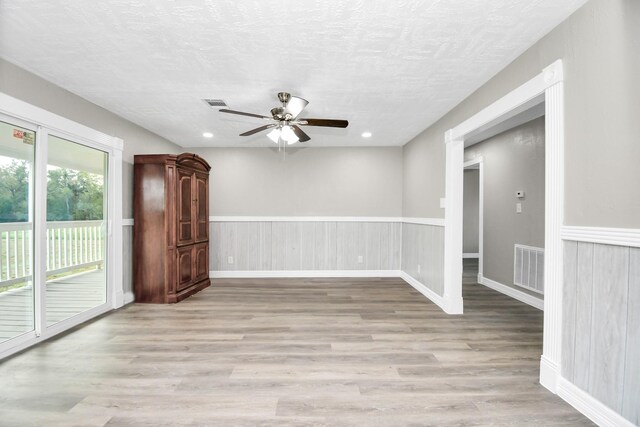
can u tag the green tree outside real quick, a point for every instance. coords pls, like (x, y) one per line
(71, 195)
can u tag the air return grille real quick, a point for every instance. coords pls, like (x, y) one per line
(216, 103)
(528, 268)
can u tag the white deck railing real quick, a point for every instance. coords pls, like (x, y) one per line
(70, 245)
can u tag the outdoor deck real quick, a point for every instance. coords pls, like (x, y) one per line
(65, 298)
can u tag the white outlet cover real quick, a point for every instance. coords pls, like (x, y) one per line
(443, 202)
(360, 259)
(230, 260)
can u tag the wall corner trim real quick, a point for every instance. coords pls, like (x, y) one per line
(591, 407)
(513, 293)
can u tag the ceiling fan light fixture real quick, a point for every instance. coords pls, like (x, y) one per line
(366, 134)
(207, 135)
(289, 135)
(274, 135)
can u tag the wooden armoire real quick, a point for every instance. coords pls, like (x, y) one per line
(171, 227)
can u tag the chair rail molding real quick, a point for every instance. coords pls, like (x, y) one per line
(606, 236)
(407, 220)
(547, 87)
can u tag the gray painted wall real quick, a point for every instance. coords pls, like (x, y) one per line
(601, 313)
(512, 161)
(600, 47)
(471, 201)
(28, 87)
(364, 181)
(296, 246)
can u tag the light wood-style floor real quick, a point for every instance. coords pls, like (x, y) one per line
(365, 352)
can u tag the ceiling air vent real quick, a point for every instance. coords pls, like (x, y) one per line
(216, 103)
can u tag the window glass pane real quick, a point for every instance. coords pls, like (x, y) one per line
(16, 230)
(76, 229)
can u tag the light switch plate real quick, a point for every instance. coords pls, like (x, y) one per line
(518, 207)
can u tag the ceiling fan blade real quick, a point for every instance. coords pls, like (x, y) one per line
(325, 123)
(295, 105)
(256, 130)
(303, 137)
(242, 113)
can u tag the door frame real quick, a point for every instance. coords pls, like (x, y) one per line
(479, 162)
(48, 123)
(546, 87)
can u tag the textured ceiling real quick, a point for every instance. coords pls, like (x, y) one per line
(389, 67)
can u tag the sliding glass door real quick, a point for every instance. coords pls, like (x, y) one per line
(58, 186)
(17, 296)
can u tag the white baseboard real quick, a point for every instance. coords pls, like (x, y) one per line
(471, 255)
(128, 298)
(301, 273)
(513, 293)
(591, 407)
(424, 290)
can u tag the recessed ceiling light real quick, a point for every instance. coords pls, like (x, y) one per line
(366, 134)
(207, 135)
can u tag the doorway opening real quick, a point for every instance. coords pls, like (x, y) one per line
(472, 233)
(545, 91)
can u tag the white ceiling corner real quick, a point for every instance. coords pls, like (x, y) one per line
(391, 68)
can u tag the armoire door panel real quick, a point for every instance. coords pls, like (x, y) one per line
(185, 270)
(185, 203)
(201, 208)
(201, 264)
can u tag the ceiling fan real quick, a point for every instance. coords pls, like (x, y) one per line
(285, 121)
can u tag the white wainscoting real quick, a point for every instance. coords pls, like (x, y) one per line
(282, 247)
(423, 255)
(600, 334)
(411, 248)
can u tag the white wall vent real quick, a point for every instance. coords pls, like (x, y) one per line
(216, 103)
(528, 268)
